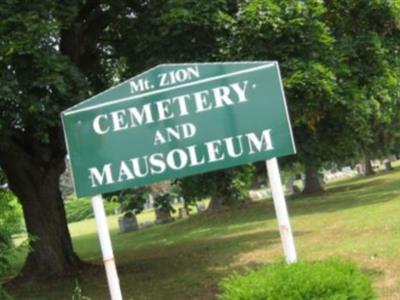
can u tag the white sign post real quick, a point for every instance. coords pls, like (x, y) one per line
(106, 248)
(282, 215)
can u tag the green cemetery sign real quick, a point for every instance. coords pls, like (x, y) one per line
(177, 120)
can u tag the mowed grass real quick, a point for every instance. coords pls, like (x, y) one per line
(356, 219)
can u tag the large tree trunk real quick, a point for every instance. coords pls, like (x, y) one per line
(367, 168)
(36, 184)
(163, 216)
(217, 202)
(32, 150)
(45, 220)
(313, 183)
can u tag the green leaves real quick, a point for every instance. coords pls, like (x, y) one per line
(339, 66)
(37, 81)
(232, 184)
(327, 280)
(295, 34)
(171, 31)
(10, 223)
(365, 34)
(278, 30)
(339, 59)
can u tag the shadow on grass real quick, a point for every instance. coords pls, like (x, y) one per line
(346, 195)
(342, 197)
(186, 259)
(195, 266)
(356, 186)
(191, 269)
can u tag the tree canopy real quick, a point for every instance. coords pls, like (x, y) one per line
(339, 61)
(52, 55)
(367, 50)
(294, 33)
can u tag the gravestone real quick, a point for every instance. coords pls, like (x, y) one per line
(388, 165)
(163, 216)
(359, 169)
(376, 164)
(128, 223)
(291, 187)
(259, 195)
(183, 213)
(201, 207)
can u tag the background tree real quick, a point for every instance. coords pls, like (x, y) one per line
(180, 32)
(52, 55)
(175, 31)
(294, 34)
(131, 200)
(367, 46)
(225, 188)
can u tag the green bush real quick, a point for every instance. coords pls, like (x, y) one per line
(4, 295)
(10, 223)
(11, 220)
(325, 280)
(81, 209)
(130, 200)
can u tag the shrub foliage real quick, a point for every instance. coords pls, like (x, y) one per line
(10, 223)
(325, 280)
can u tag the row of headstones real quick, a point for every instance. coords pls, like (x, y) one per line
(129, 222)
(327, 175)
(344, 172)
(150, 201)
(377, 164)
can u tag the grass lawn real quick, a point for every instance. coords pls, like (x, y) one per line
(357, 219)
